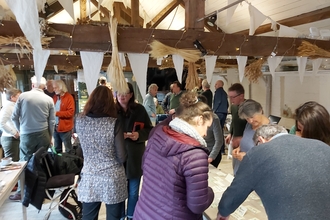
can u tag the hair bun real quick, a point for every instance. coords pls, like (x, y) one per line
(188, 99)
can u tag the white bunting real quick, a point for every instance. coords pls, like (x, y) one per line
(241, 61)
(316, 65)
(301, 61)
(287, 32)
(40, 58)
(27, 17)
(92, 63)
(273, 63)
(230, 11)
(122, 59)
(139, 65)
(210, 65)
(68, 6)
(178, 65)
(56, 68)
(256, 19)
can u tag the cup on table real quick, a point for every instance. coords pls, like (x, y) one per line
(6, 161)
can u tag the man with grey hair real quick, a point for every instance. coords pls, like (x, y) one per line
(291, 183)
(64, 112)
(220, 102)
(34, 118)
(149, 103)
(207, 92)
(267, 132)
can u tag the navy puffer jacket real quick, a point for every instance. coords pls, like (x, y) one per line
(175, 178)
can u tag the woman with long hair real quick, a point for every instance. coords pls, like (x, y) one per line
(102, 141)
(136, 127)
(313, 121)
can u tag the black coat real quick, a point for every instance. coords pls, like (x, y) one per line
(35, 180)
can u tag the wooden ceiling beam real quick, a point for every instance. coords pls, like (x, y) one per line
(194, 10)
(137, 40)
(163, 14)
(305, 18)
(123, 14)
(53, 10)
(104, 10)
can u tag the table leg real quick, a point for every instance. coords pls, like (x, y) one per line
(22, 182)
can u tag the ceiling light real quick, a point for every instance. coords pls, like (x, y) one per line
(211, 20)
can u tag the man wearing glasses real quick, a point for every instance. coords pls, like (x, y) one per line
(236, 97)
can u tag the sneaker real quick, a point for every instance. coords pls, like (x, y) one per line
(15, 197)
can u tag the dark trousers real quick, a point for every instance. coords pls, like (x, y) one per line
(222, 117)
(217, 160)
(114, 211)
(62, 137)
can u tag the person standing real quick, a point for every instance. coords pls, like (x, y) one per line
(136, 127)
(102, 141)
(34, 118)
(175, 97)
(149, 103)
(220, 102)
(167, 100)
(49, 90)
(207, 92)
(213, 138)
(237, 126)
(175, 166)
(64, 112)
(10, 135)
(290, 174)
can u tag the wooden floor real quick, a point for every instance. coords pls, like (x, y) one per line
(13, 210)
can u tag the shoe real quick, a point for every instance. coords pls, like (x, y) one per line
(15, 197)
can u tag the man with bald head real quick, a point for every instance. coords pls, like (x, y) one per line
(220, 102)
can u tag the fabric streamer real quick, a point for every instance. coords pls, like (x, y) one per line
(139, 65)
(68, 7)
(256, 19)
(241, 61)
(273, 63)
(178, 65)
(210, 62)
(40, 58)
(92, 63)
(27, 17)
(301, 61)
(316, 65)
(230, 11)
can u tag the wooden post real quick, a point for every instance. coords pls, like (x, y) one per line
(135, 13)
(194, 9)
(83, 10)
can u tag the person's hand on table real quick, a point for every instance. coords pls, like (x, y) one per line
(219, 217)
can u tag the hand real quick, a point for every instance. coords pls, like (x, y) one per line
(16, 135)
(228, 138)
(235, 142)
(153, 115)
(172, 111)
(240, 156)
(134, 136)
(209, 160)
(219, 217)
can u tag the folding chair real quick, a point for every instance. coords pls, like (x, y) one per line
(60, 183)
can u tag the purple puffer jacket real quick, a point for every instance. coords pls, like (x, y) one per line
(175, 178)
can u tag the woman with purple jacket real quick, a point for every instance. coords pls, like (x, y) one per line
(175, 166)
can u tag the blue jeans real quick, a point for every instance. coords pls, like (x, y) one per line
(114, 211)
(62, 137)
(133, 195)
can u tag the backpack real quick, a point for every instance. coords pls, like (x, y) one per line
(76, 208)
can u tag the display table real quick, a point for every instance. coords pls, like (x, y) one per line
(251, 209)
(10, 175)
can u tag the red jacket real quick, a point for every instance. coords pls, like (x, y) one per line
(66, 113)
